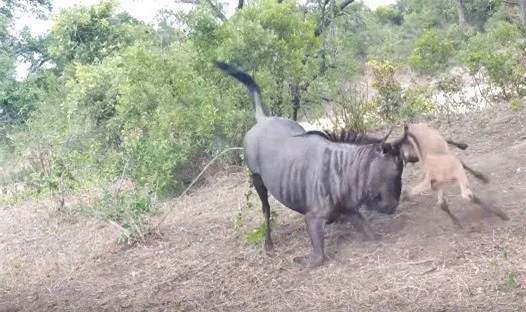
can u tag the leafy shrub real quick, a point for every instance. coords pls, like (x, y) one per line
(516, 104)
(389, 96)
(506, 72)
(388, 15)
(473, 53)
(503, 33)
(459, 35)
(414, 104)
(352, 109)
(432, 53)
(131, 210)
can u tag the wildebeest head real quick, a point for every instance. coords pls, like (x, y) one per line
(384, 180)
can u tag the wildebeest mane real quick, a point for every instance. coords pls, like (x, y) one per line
(348, 136)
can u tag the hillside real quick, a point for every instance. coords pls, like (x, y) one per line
(198, 261)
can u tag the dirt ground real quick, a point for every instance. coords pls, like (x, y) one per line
(199, 261)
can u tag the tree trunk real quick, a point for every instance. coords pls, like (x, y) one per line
(522, 4)
(461, 13)
(295, 92)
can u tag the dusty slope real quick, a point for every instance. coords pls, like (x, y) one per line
(52, 262)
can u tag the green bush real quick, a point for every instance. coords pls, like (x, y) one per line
(431, 53)
(353, 110)
(459, 35)
(389, 96)
(505, 71)
(473, 53)
(414, 104)
(504, 34)
(388, 15)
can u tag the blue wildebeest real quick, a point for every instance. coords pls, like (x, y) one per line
(318, 178)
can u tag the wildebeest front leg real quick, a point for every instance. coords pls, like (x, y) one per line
(359, 222)
(315, 228)
(443, 205)
(262, 191)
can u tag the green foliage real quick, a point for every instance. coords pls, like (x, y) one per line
(423, 15)
(40, 8)
(389, 98)
(511, 282)
(500, 68)
(389, 15)
(353, 110)
(131, 211)
(123, 99)
(504, 33)
(257, 236)
(471, 56)
(414, 104)
(271, 39)
(459, 35)
(88, 34)
(516, 104)
(432, 53)
(499, 11)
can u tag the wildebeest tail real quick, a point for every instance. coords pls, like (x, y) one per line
(253, 88)
(475, 173)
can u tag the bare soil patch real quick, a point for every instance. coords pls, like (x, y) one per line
(199, 261)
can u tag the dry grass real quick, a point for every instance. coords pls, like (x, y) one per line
(199, 262)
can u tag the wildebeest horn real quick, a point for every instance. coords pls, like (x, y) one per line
(398, 142)
(386, 136)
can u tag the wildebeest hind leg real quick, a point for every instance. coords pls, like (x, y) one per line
(442, 203)
(262, 191)
(315, 228)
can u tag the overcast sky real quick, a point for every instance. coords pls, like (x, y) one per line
(144, 10)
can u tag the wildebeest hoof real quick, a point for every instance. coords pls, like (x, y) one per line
(309, 261)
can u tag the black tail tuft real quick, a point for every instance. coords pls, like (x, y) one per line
(261, 108)
(482, 177)
(238, 74)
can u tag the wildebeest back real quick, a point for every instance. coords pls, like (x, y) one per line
(310, 166)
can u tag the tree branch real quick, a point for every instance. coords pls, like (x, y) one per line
(218, 12)
(324, 22)
(345, 4)
(35, 66)
(323, 69)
